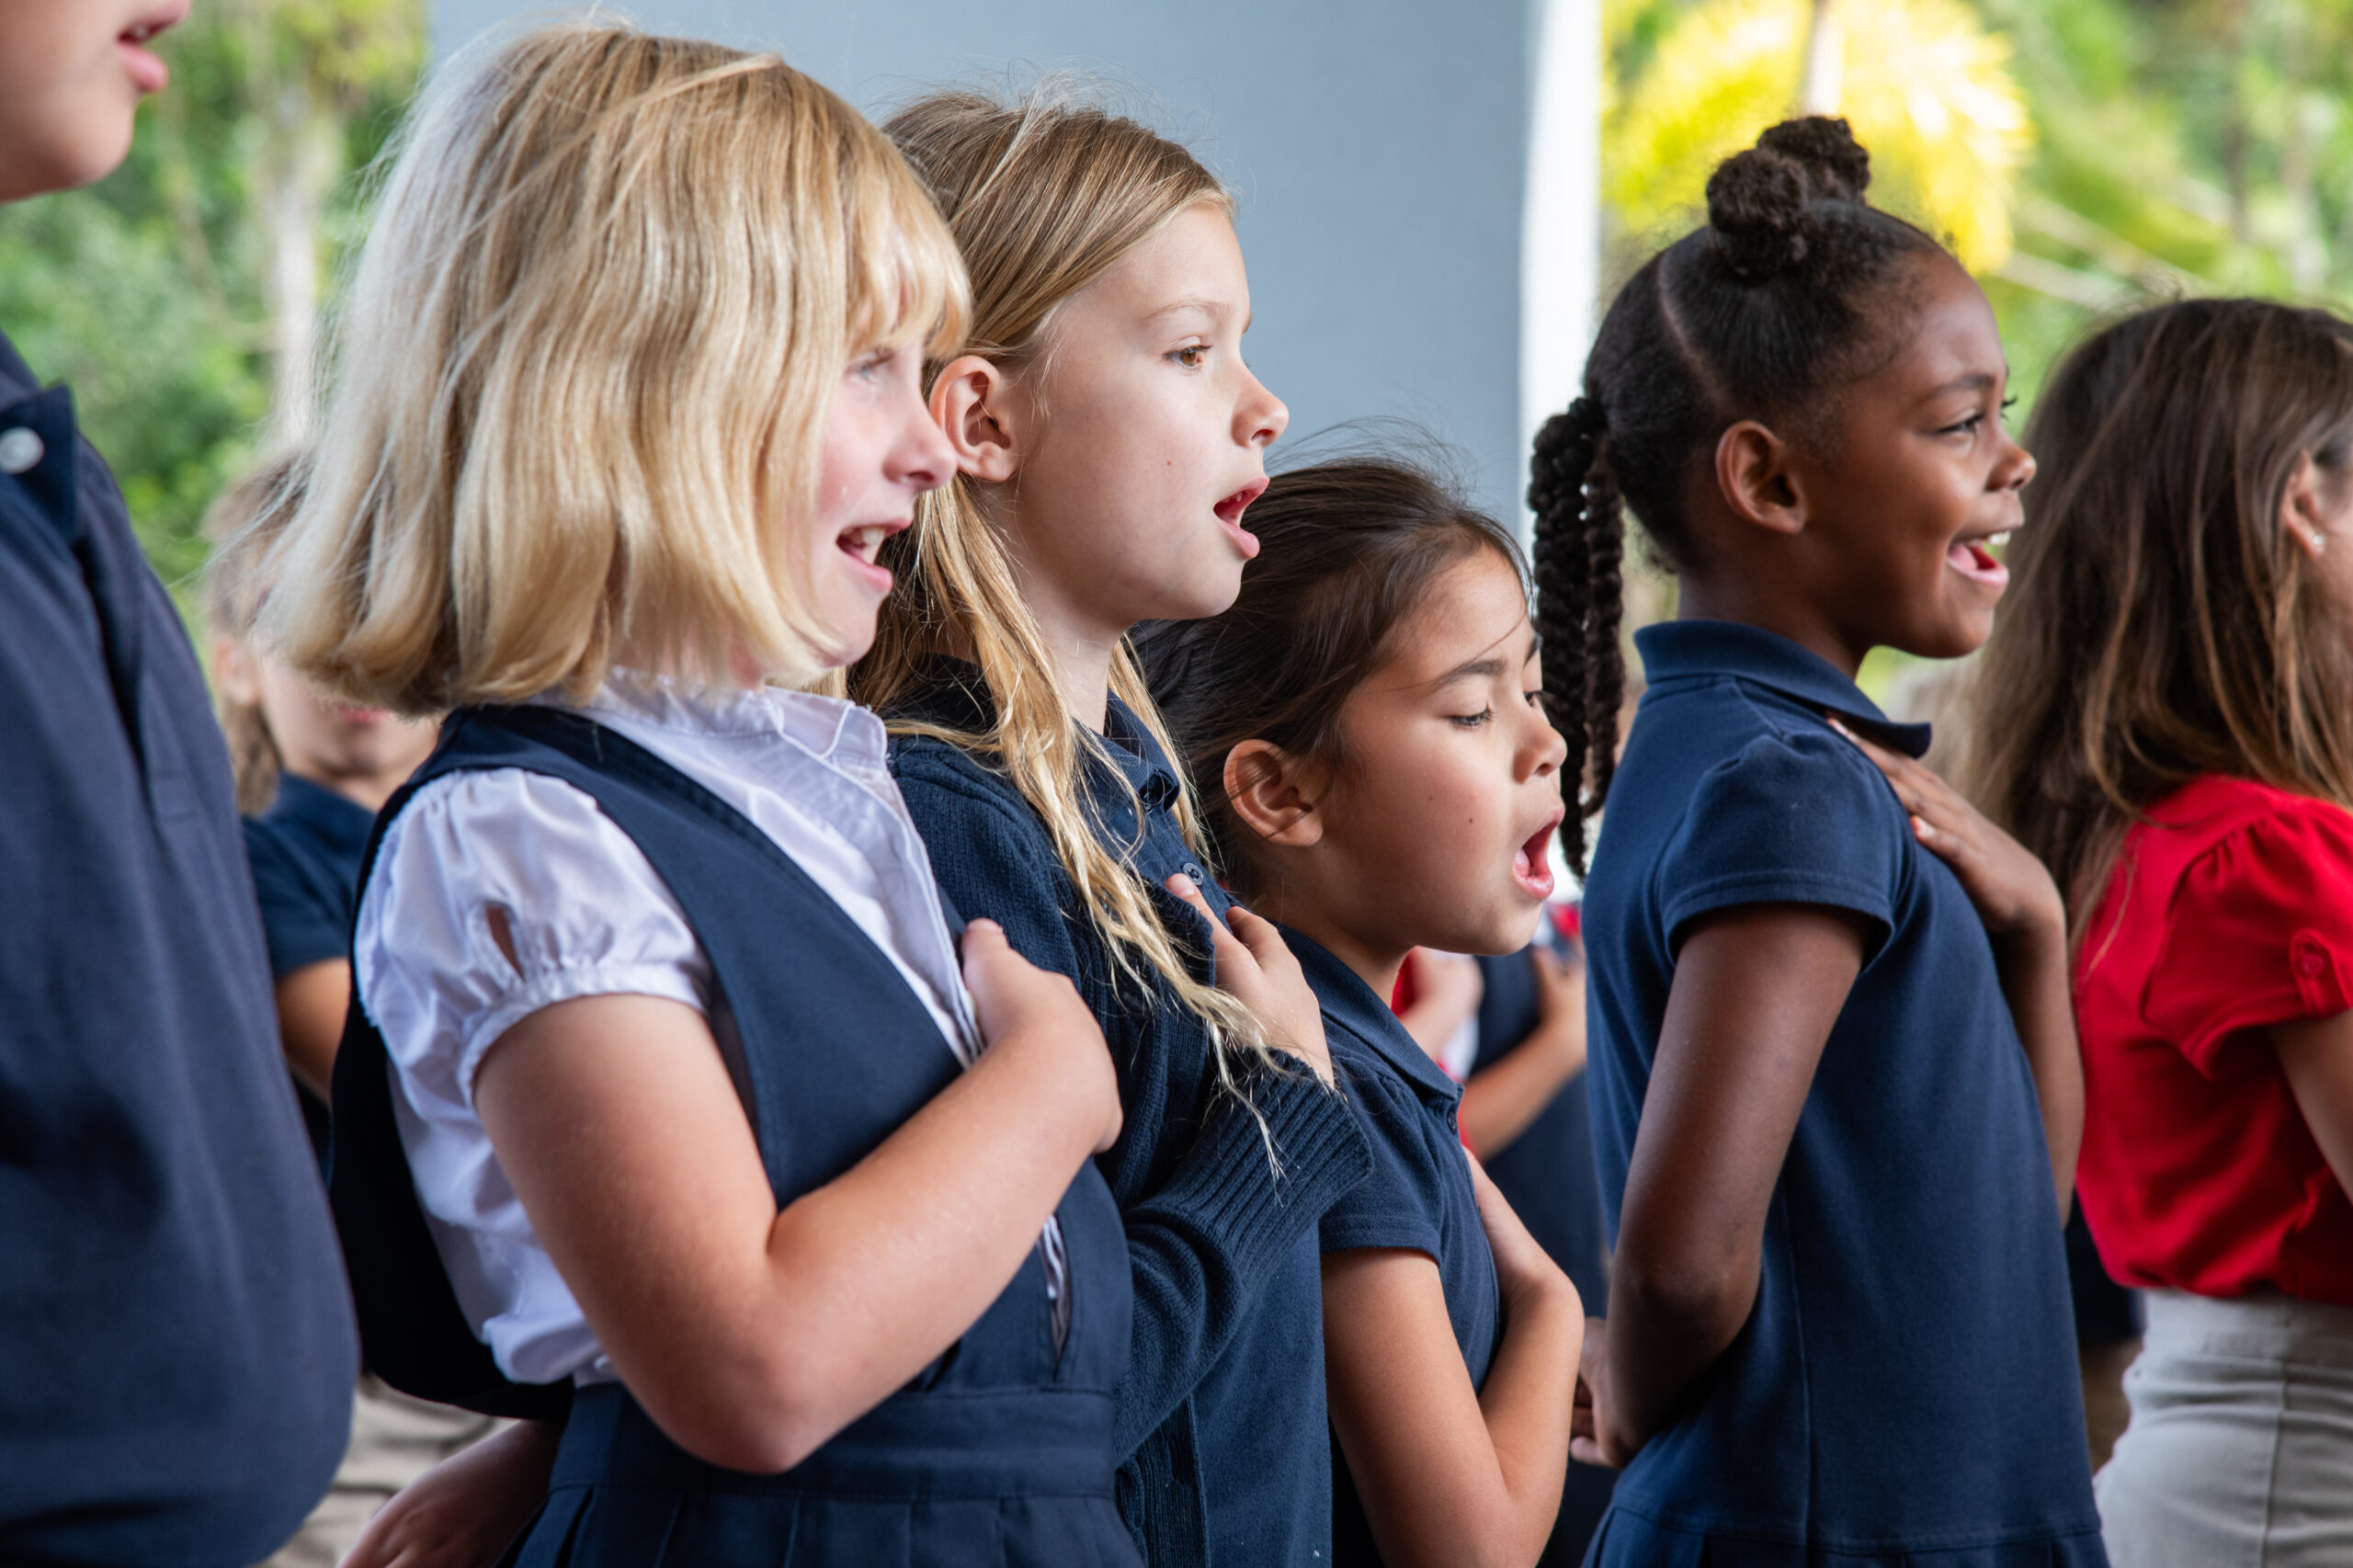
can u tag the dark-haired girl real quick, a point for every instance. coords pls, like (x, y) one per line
(1836, 1090)
(2167, 713)
(1363, 730)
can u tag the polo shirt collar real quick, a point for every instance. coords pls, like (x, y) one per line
(1674, 650)
(1130, 749)
(1351, 1002)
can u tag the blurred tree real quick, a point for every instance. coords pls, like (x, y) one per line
(178, 297)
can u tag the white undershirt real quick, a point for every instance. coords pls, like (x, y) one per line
(587, 915)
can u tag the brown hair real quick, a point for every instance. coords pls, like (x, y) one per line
(2159, 625)
(1044, 194)
(1349, 550)
(243, 524)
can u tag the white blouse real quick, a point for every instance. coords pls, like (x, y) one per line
(587, 915)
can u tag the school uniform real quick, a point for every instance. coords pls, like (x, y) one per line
(175, 1347)
(744, 855)
(1226, 1452)
(1546, 1175)
(1904, 1389)
(1418, 1196)
(305, 854)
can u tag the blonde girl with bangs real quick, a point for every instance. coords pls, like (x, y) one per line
(1108, 438)
(663, 1109)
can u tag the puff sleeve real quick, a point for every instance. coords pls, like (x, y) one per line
(2259, 931)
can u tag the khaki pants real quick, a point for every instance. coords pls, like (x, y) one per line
(395, 1440)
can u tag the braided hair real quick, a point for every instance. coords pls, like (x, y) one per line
(1787, 294)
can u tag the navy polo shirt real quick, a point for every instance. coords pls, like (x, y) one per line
(177, 1352)
(305, 852)
(1906, 1382)
(1227, 1455)
(1419, 1194)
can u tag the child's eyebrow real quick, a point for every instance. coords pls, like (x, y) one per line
(1211, 307)
(1977, 380)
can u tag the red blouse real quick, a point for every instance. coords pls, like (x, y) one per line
(2231, 909)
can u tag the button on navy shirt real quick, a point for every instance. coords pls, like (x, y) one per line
(176, 1353)
(1906, 1382)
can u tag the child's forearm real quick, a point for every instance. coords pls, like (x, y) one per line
(2033, 967)
(1500, 1101)
(1529, 1392)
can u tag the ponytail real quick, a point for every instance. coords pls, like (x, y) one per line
(1580, 601)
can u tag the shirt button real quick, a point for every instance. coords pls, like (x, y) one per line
(19, 450)
(1196, 873)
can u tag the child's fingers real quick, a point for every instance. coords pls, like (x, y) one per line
(1225, 946)
(1266, 944)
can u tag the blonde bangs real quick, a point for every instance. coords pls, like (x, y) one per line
(583, 369)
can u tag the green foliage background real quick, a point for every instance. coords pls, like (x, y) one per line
(145, 291)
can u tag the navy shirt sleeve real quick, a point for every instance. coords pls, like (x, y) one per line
(1794, 818)
(1393, 1206)
(300, 927)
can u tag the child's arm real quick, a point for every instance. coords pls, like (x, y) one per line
(2027, 923)
(1756, 989)
(1449, 1476)
(311, 1004)
(751, 1336)
(2317, 1057)
(1500, 1101)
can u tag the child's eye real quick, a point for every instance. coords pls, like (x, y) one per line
(1471, 721)
(1191, 355)
(1968, 426)
(1535, 698)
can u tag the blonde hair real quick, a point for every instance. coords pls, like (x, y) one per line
(582, 367)
(244, 523)
(1044, 194)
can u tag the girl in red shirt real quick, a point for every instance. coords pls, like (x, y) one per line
(2167, 714)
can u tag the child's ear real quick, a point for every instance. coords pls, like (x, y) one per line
(1265, 788)
(2303, 508)
(968, 402)
(1755, 473)
(236, 673)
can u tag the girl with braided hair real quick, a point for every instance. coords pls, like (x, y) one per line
(1835, 1087)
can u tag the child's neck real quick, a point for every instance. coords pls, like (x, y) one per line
(1744, 598)
(1372, 961)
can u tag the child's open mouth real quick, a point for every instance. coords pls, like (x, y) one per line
(1532, 864)
(1229, 514)
(863, 543)
(147, 73)
(1973, 559)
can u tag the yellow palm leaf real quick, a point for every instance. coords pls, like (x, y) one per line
(1928, 89)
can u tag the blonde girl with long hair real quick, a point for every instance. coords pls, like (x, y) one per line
(1109, 438)
(663, 1109)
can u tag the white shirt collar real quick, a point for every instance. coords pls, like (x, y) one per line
(830, 728)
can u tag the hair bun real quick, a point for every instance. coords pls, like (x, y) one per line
(1760, 202)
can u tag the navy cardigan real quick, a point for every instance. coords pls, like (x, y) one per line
(1210, 1227)
(176, 1353)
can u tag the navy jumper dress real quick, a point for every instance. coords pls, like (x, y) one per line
(999, 1453)
(1418, 1196)
(1904, 1394)
(1225, 1450)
